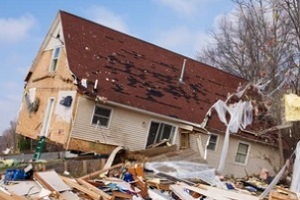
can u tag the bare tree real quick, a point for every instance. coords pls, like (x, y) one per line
(9, 138)
(292, 8)
(260, 41)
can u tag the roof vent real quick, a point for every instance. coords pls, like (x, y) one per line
(182, 71)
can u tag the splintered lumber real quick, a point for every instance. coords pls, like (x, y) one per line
(96, 173)
(51, 181)
(210, 191)
(180, 188)
(282, 195)
(73, 183)
(156, 151)
(121, 195)
(180, 192)
(11, 196)
(94, 189)
(161, 186)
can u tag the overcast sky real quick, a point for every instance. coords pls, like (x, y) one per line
(178, 25)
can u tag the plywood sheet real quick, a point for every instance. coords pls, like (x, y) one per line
(24, 188)
(51, 180)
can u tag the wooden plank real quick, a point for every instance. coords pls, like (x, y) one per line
(156, 151)
(11, 196)
(224, 193)
(179, 191)
(51, 180)
(24, 187)
(96, 173)
(215, 196)
(94, 189)
(74, 184)
(275, 195)
(157, 195)
(122, 195)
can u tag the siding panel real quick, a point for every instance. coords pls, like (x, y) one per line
(126, 128)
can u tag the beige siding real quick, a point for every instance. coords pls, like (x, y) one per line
(47, 84)
(126, 127)
(260, 156)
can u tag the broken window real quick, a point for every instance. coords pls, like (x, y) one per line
(101, 116)
(212, 143)
(54, 62)
(159, 132)
(242, 152)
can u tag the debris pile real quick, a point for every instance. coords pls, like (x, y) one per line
(156, 180)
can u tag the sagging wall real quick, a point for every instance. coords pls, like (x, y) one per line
(41, 86)
(126, 128)
(259, 156)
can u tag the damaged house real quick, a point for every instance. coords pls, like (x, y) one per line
(91, 88)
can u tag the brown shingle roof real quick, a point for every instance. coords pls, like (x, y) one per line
(142, 75)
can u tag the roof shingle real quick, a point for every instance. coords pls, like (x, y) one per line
(142, 75)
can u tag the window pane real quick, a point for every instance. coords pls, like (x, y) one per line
(240, 158)
(158, 132)
(241, 153)
(166, 132)
(54, 64)
(152, 133)
(243, 148)
(56, 52)
(212, 142)
(102, 111)
(101, 116)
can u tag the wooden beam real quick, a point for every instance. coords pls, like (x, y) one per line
(222, 193)
(215, 196)
(74, 184)
(11, 196)
(122, 195)
(94, 189)
(179, 191)
(156, 151)
(96, 173)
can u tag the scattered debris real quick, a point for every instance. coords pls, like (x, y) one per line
(160, 179)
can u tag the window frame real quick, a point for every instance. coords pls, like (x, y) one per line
(108, 120)
(246, 155)
(54, 59)
(47, 117)
(216, 143)
(172, 134)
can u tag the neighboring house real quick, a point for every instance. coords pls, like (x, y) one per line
(92, 88)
